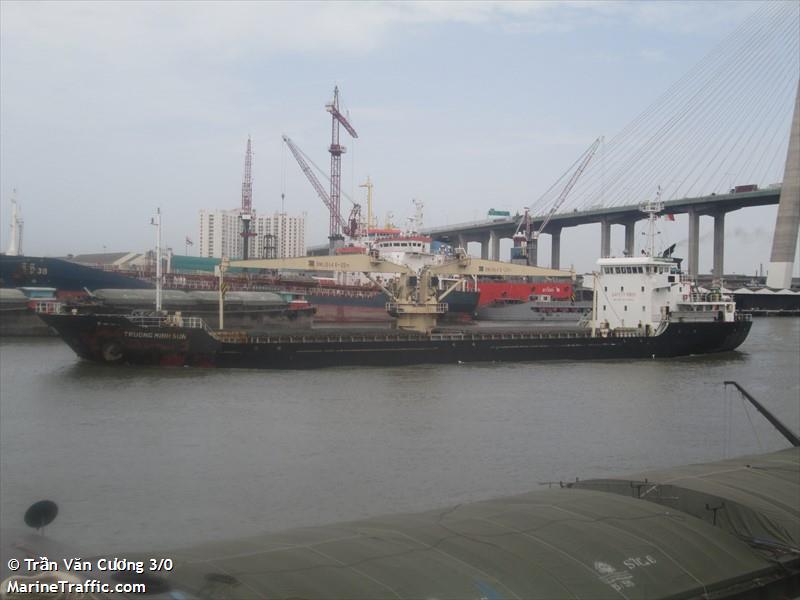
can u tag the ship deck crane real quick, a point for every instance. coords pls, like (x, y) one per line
(413, 299)
(350, 226)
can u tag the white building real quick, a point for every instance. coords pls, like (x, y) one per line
(220, 234)
(289, 235)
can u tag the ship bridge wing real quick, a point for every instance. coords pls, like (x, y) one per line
(354, 263)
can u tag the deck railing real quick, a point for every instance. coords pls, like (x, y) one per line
(397, 336)
(48, 307)
(168, 321)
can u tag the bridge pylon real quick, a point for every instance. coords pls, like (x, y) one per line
(787, 223)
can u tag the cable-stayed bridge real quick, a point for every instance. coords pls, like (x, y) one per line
(726, 123)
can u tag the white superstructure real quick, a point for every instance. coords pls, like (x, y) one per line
(644, 292)
(411, 250)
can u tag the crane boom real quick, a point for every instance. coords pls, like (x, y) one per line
(298, 156)
(334, 110)
(349, 226)
(349, 264)
(570, 184)
(467, 265)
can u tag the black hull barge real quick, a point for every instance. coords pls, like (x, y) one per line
(117, 339)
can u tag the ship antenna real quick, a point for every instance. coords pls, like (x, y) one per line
(652, 208)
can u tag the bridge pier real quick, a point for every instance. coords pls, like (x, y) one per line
(485, 247)
(605, 238)
(630, 237)
(694, 243)
(533, 253)
(787, 224)
(555, 248)
(494, 245)
(719, 247)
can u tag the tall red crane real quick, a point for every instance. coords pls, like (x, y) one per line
(336, 151)
(246, 212)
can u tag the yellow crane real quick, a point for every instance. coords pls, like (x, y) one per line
(413, 299)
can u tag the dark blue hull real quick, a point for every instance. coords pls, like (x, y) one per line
(37, 271)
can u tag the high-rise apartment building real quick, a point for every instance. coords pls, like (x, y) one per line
(220, 233)
(278, 235)
(285, 233)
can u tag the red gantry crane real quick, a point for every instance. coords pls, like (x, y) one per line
(246, 213)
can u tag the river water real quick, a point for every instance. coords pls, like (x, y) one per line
(145, 458)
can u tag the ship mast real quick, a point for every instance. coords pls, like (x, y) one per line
(652, 208)
(369, 186)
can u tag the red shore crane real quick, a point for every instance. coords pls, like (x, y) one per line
(246, 212)
(336, 150)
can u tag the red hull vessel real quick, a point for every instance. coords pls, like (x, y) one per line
(517, 290)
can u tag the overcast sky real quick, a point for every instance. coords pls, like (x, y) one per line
(109, 110)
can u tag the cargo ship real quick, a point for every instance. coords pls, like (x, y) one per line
(643, 308)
